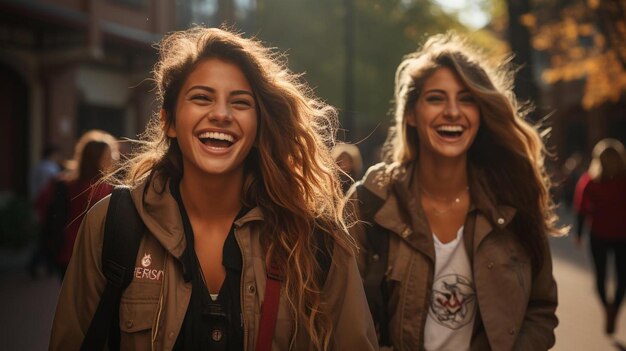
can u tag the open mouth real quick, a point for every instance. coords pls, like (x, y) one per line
(449, 131)
(216, 139)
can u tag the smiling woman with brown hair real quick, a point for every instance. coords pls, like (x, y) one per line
(237, 189)
(455, 256)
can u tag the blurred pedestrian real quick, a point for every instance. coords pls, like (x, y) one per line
(600, 201)
(45, 170)
(64, 202)
(568, 175)
(42, 174)
(349, 161)
(455, 255)
(238, 192)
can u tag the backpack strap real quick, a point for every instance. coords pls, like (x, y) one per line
(57, 215)
(269, 310)
(123, 231)
(377, 259)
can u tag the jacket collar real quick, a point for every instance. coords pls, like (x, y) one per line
(161, 215)
(402, 213)
(489, 215)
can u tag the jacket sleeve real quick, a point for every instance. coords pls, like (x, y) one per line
(83, 283)
(353, 326)
(537, 331)
(582, 204)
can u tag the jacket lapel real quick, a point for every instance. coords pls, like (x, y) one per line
(488, 213)
(403, 215)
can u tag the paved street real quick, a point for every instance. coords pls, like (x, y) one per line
(580, 313)
(27, 310)
(28, 306)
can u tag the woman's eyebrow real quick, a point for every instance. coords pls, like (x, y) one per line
(212, 90)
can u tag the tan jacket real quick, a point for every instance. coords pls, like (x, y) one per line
(516, 309)
(154, 305)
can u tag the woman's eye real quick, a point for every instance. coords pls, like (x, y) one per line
(200, 98)
(242, 103)
(467, 99)
(434, 98)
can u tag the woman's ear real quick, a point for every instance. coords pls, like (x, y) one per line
(410, 119)
(166, 125)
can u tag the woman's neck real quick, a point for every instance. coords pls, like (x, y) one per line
(212, 198)
(442, 178)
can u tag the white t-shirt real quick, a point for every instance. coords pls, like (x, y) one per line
(452, 308)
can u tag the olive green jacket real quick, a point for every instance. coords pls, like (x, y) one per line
(153, 307)
(516, 307)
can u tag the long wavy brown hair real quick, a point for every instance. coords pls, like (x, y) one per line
(290, 174)
(508, 149)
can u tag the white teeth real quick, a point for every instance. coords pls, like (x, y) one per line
(217, 136)
(450, 128)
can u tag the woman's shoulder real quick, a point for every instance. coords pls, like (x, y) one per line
(377, 182)
(96, 215)
(379, 177)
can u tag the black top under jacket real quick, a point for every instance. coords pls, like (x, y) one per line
(211, 325)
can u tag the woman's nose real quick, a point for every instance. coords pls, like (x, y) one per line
(220, 112)
(452, 109)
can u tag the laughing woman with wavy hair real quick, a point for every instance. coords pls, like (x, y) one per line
(236, 185)
(459, 212)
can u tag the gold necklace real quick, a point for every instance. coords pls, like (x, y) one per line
(448, 207)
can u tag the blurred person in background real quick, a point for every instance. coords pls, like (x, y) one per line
(567, 177)
(64, 202)
(45, 170)
(600, 202)
(349, 161)
(42, 174)
(237, 189)
(459, 213)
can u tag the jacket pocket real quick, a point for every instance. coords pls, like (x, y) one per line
(136, 320)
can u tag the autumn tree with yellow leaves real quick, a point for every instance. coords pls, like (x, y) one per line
(583, 40)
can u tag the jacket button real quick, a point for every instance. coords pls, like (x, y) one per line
(129, 323)
(406, 232)
(512, 331)
(251, 289)
(500, 220)
(490, 265)
(216, 335)
(375, 257)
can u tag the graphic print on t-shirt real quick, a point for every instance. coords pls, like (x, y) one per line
(453, 301)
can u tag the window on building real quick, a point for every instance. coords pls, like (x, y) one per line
(107, 118)
(131, 3)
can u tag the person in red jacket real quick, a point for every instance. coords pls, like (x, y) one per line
(66, 199)
(600, 201)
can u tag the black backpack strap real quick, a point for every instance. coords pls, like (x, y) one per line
(57, 216)
(377, 259)
(123, 230)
